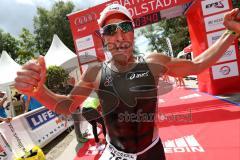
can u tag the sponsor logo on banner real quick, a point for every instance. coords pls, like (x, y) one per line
(87, 55)
(214, 6)
(90, 17)
(213, 37)
(84, 42)
(40, 118)
(184, 144)
(229, 55)
(225, 70)
(214, 22)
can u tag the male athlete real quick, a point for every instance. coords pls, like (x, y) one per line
(126, 86)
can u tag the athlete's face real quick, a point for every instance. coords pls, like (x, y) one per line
(120, 41)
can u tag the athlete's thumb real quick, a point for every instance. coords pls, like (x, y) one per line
(42, 64)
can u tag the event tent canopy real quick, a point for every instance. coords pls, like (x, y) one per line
(60, 55)
(8, 70)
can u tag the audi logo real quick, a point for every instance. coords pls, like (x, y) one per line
(85, 19)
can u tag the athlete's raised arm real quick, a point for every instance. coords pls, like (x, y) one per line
(31, 81)
(180, 67)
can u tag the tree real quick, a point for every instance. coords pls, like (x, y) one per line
(56, 79)
(27, 46)
(47, 23)
(9, 44)
(175, 29)
(236, 3)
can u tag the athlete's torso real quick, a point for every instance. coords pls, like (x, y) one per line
(128, 101)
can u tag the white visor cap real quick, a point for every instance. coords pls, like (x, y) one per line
(112, 9)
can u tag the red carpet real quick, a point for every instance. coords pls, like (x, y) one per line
(193, 126)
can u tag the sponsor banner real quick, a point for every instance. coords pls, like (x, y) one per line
(39, 118)
(183, 144)
(84, 42)
(214, 22)
(225, 70)
(37, 127)
(229, 55)
(5, 150)
(214, 6)
(138, 8)
(213, 37)
(16, 136)
(87, 55)
(84, 23)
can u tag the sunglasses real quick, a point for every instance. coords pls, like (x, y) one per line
(111, 29)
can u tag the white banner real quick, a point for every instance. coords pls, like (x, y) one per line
(84, 42)
(5, 151)
(214, 6)
(213, 37)
(214, 22)
(39, 120)
(229, 55)
(38, 127)
(225, 70)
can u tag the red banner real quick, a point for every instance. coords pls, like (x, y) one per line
(85, 28)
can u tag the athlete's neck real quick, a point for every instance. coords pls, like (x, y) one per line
(123, 65)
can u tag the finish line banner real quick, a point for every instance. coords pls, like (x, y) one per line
(85, 29)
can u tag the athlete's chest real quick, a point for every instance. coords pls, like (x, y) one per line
(129, 86)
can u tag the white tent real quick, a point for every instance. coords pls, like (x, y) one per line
(60, 55)
(8, 70)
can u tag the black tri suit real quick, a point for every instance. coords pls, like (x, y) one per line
(129, 103)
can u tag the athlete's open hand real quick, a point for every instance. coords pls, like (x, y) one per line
(31, 78)
(232, 20)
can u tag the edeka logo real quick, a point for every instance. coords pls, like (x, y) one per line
(38, 119)
(183, 145)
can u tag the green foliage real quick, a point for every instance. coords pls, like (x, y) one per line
(175, 29)
(236, 3)
(50, 22)
(9, 44)
(56, 79)
(27, 46)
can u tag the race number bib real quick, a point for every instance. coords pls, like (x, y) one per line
(111, 153)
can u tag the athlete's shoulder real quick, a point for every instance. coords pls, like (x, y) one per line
(157, 57)
(157, 63)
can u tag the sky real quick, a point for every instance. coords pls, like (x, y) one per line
(16, 14)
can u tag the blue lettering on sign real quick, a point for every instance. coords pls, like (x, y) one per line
(39, 118)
